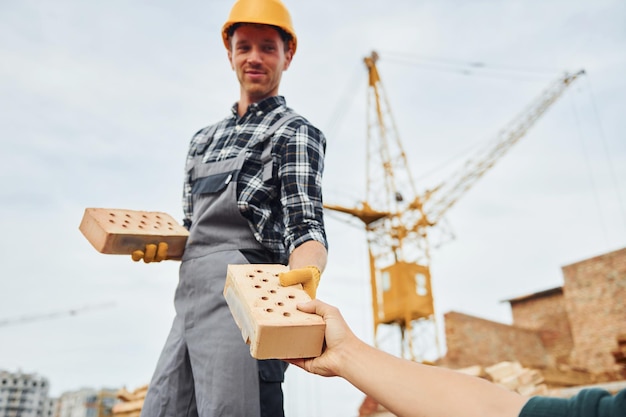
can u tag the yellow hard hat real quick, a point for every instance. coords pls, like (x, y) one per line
(265, 12)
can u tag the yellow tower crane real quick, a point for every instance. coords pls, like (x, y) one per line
(397, 219)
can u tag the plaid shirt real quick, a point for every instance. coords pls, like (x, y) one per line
(286, 210)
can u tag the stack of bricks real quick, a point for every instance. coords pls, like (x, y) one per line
(620, 353)
(512, 376)
(131, 402)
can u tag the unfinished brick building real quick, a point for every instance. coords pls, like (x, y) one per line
(572, 333)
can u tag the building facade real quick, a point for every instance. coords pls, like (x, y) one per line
(25, 395)
(87, 402)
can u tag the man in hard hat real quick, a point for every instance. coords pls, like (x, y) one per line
(252, 194)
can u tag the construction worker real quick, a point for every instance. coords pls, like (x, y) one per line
(408, 388)
(252, 194)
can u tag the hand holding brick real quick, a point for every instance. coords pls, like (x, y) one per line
(119, 231)
(266, 313)
(308, 276)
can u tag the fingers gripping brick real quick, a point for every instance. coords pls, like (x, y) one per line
(267, 315)
(119, 231)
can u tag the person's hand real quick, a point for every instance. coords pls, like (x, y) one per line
(309, 277)
(152, 253)
(339, 341)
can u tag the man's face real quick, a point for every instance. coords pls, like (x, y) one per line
(258, 57)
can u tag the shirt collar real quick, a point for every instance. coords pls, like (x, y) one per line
(264, 106)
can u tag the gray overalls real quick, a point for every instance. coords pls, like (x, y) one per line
(205, 368)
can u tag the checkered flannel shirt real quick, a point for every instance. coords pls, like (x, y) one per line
(287, 210)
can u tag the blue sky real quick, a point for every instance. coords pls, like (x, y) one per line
(98, 101)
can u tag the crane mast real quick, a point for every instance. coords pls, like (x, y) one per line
(397, 219)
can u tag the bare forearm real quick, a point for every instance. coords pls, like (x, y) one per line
(410, 389)
(309, 253)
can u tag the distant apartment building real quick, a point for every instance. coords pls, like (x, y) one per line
(25, 395)
(87, 402)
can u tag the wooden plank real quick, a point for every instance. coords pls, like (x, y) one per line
(502, 370)
(121, 231)
(267, 315)
(612, 387)
(567, 377)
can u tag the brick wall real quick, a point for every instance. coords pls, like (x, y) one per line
(576, 324)
(474, 341)
(546, 313)
(595, 299)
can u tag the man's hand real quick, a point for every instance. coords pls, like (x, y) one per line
(339, 341)
(152, 253)
(309, 277)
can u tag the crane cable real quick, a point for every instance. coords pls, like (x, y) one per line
(590, 172)
(48, 316)
(607, 154)
(345, 102)
(468, 68)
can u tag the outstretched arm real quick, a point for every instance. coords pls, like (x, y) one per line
(405, 388)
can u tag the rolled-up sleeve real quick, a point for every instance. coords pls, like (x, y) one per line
(301, 170)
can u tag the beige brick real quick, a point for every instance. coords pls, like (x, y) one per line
(267, 315)
(120, 231)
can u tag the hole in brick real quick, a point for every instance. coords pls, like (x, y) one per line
(269, 310)
(272, 291)
(111, 221)
(157, 216)
(142, 222)
(140, 226)
(112, 214)
(265, 280)
(128, 215)
(258, 271)
(257, 286)
(286, 314)
(124, 225)
(144, 216)
(264, 298)
(280, 303)
(291, 296)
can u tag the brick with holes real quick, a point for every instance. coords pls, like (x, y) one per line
(267, 315)
(120, 231)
